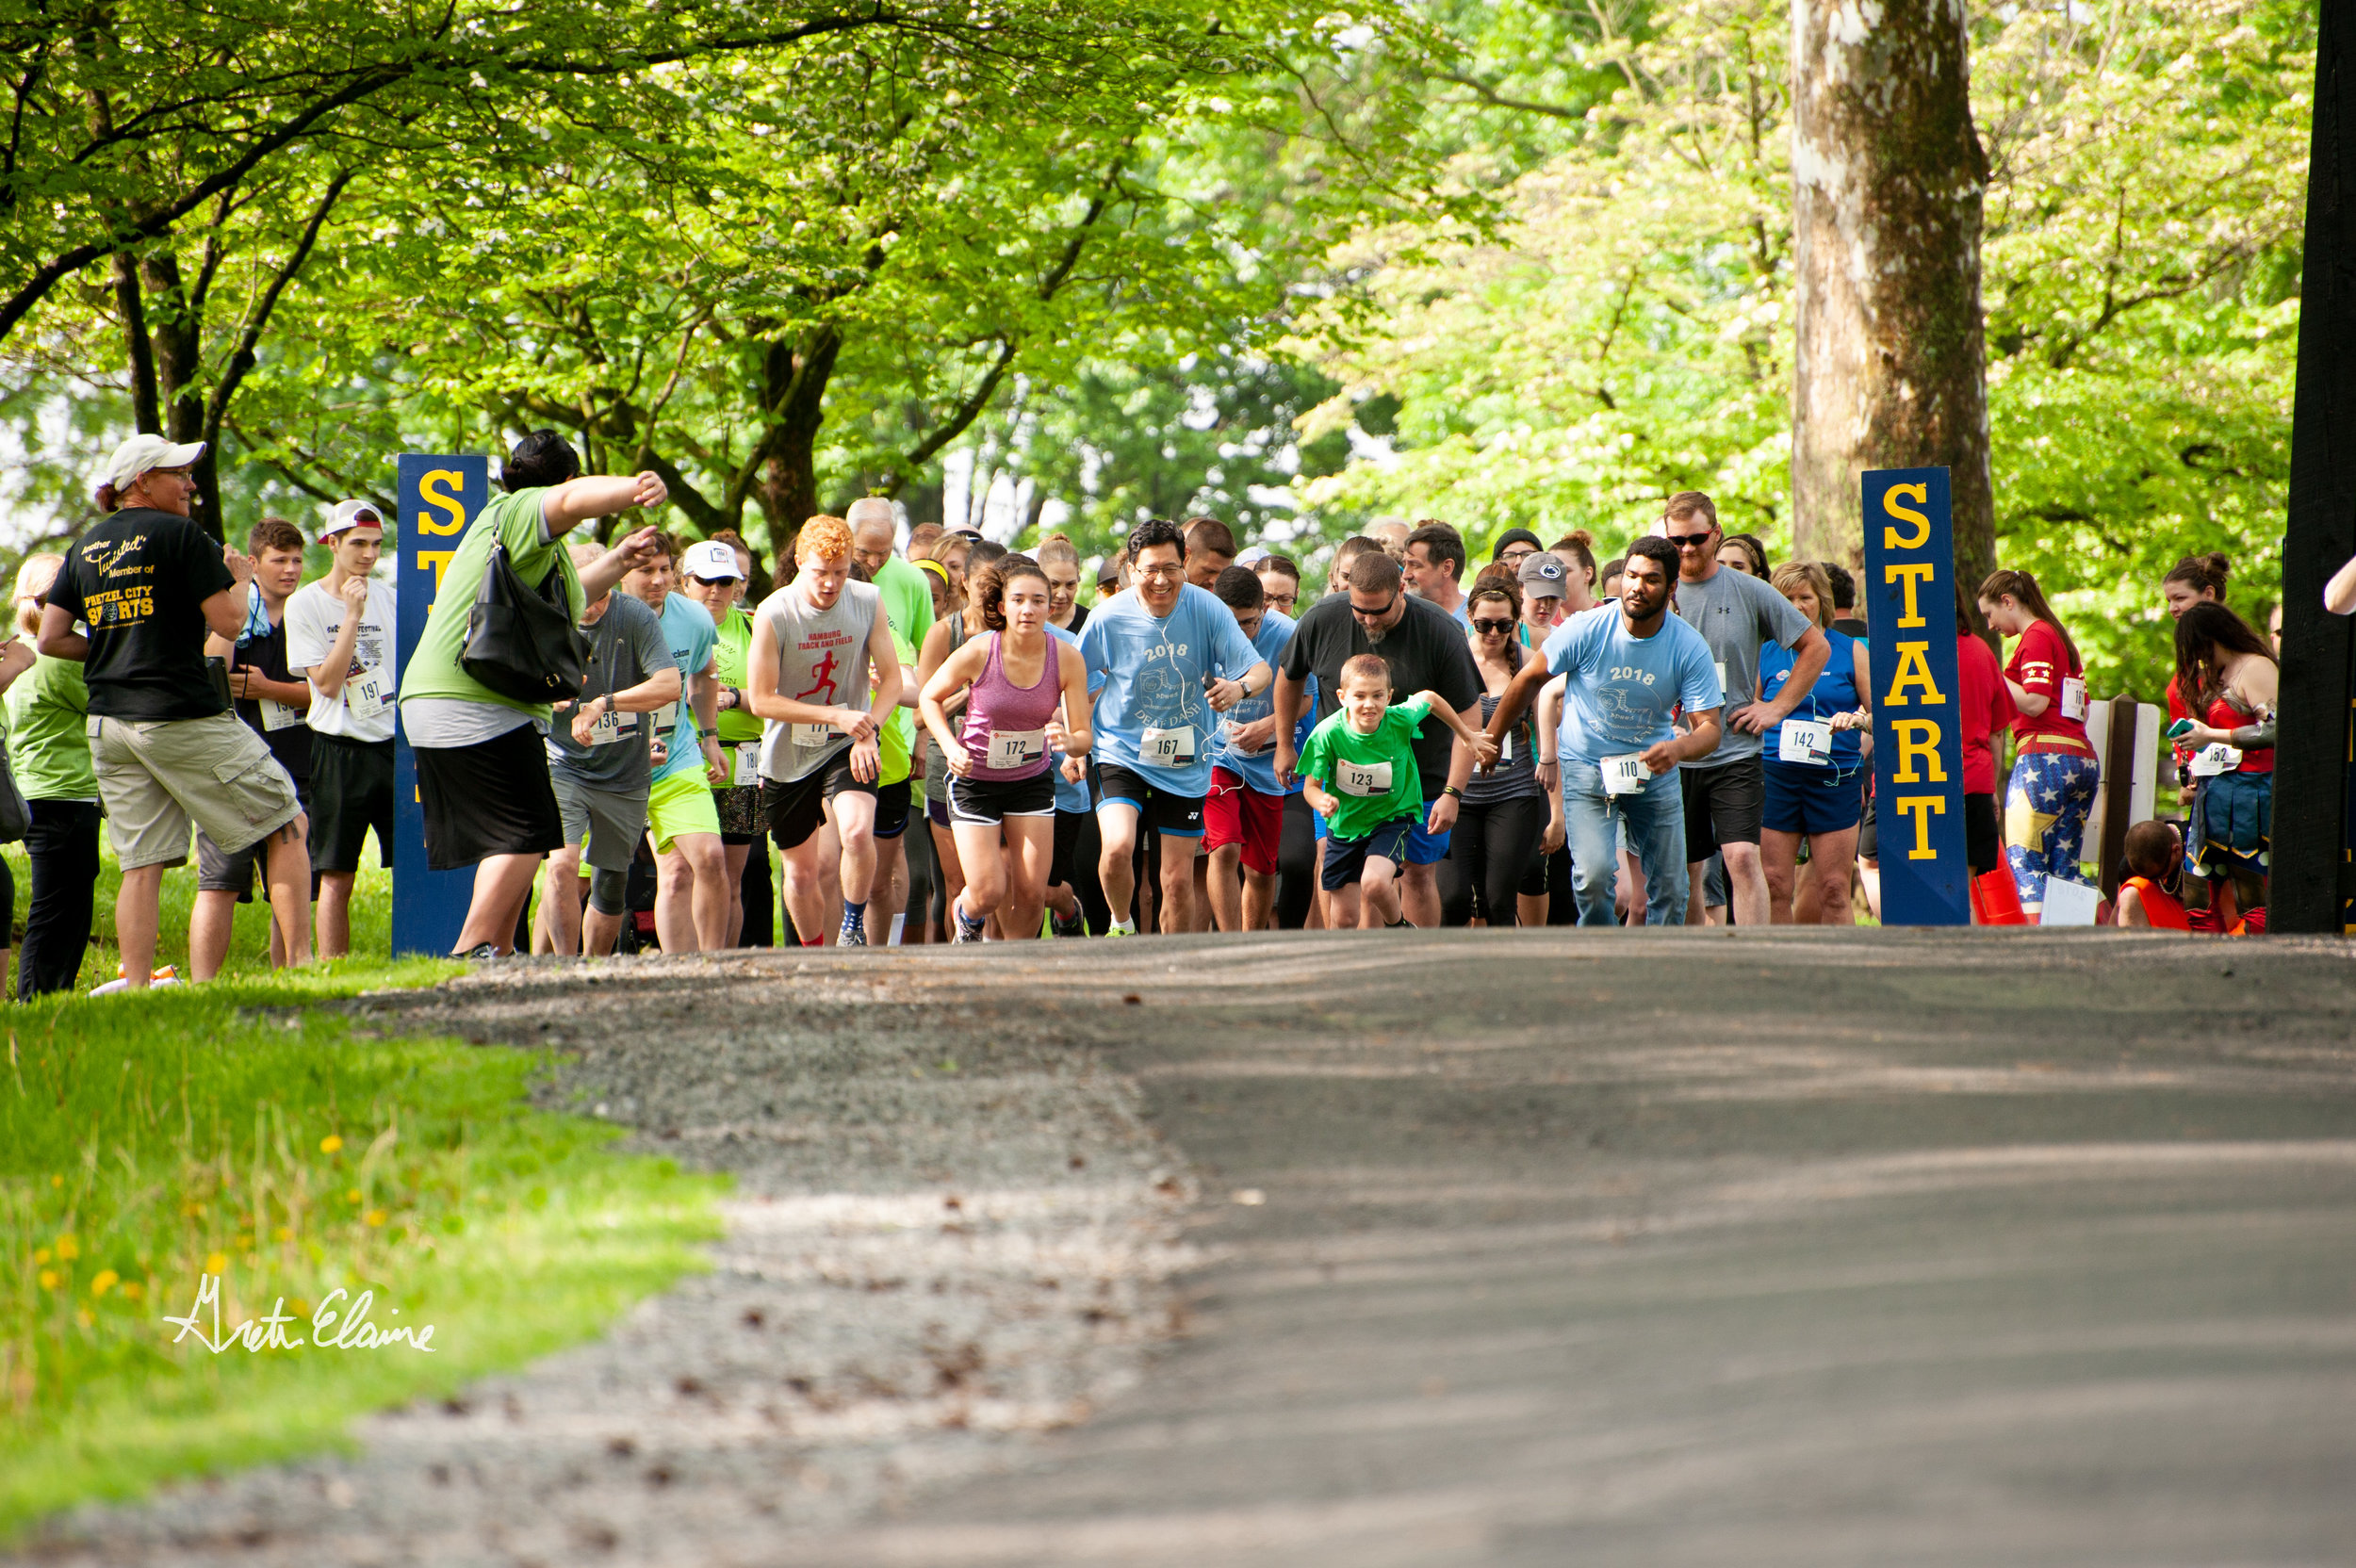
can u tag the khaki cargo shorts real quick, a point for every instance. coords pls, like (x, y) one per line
(157, 777)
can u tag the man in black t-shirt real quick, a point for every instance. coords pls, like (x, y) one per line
(132, 604)
(1426, 652)
(272, 704)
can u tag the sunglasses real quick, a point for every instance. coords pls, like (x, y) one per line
(1688, 541)
(1388, 605)
(1489, 628)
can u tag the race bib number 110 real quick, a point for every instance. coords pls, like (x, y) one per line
(1625, 775)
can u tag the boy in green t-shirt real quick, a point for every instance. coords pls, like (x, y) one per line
(1359, 772)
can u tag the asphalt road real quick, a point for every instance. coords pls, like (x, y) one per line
(1993, 1248)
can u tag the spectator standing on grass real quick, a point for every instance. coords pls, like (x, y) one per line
(49, 752)
(146, 584)
(599, 767)
(270, 700)
(1725, 786)
(340, 637)
(483, 768)
(2055, 769)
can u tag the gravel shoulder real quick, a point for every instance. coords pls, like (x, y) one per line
(952, 1231)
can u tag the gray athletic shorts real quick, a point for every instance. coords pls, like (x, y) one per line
(607, 822)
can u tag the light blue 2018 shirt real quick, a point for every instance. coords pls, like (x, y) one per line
(1153, 671)
(687, 628)
(1257, 769)
(1068, 796)
(1623, 689)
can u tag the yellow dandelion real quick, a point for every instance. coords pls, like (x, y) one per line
(133, 1291)
(57, 1181)
(283, 1232)
(217, 1262)
(329, 1144)
(41, 1256)
(68, 1249)
(191, 1210)
(374, 1217)
(108, 1279)
(48, 1279)
(353, 1196)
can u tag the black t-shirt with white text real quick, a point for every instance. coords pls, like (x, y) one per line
(1426, 652)
(291, 743)
(139, 580)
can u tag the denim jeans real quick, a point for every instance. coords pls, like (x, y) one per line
(1656, 831)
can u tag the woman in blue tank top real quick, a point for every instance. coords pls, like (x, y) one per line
(1815, 760)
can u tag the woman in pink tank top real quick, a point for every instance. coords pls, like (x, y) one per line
(1029, 695)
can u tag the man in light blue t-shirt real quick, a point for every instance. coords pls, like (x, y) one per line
(1172, 659)
(1631, 667)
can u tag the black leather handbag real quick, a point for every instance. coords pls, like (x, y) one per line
(521, 641)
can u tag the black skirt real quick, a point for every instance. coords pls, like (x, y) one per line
(491, 799)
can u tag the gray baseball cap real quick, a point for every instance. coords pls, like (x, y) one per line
(1542, 575)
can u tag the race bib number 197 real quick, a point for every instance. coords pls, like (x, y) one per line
(365, 693)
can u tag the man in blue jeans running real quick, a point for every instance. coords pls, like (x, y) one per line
(1631, 668)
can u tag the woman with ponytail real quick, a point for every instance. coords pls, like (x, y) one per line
(1017, 679)
(2055, 768)
(2195, 580)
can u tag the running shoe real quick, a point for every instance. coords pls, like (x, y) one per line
(854, 935)
(1119, 931)
(167, 975)
(966, 931)
(480, 953)
(1076, 926)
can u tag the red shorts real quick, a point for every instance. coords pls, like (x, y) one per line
(1235, 814)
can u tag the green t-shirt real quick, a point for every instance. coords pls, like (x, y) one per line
(513, 521)
(732, 658)
(1372, 778)
(48, 743)
(907, 601)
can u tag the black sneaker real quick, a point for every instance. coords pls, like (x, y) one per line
(1076, 926)
(480, 954)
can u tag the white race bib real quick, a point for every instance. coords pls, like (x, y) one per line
(365, 693)
(1234, 730)
(1366, 779)
(666, 719)
(2210, 761)
(1505, 748)
(1014, 748)
(277, 715)
(1808, 741)
(1722, 682)
(1625, 775)
(810, 737)
(610, 726)
(2074, 698)
(747, 763)
(1167, 747)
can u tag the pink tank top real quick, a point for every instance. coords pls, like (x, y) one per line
(1016, 716)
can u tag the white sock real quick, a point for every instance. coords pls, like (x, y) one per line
(1128, 925)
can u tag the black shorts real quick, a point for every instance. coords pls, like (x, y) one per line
(1159, 810)
(491, 798)
(1869, 833)
(1722, 806)
(1983, 847)
(219, 873)
(352, 791)
(1068, 826)
(891, 809)
(798, 809)
(1346, 859)
(987, 802)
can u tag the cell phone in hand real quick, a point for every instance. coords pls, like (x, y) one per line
(2181, 729)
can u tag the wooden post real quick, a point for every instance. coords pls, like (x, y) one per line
(2314, 890)
(2118, 791)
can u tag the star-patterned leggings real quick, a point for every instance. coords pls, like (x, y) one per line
(2045, 818)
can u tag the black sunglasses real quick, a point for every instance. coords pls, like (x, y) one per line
(1683, 541)
(1488, 626)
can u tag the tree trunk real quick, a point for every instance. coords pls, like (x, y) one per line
(137, 352)
(1890, 363)
(177, 337)
(797, 372)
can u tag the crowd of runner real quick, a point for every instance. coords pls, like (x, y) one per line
(944, 744)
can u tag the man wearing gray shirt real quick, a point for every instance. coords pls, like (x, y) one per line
(1726, 792)
(598, 766)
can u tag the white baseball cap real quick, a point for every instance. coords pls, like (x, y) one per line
(144, 453)
(1253, 556)
(712, 560)
(349, 514)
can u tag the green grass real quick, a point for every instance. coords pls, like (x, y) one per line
(146, 1140)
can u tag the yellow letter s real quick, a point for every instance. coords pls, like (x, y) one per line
(1891, 541)
(433, 490)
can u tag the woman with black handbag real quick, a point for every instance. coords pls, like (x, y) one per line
(476, 696)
